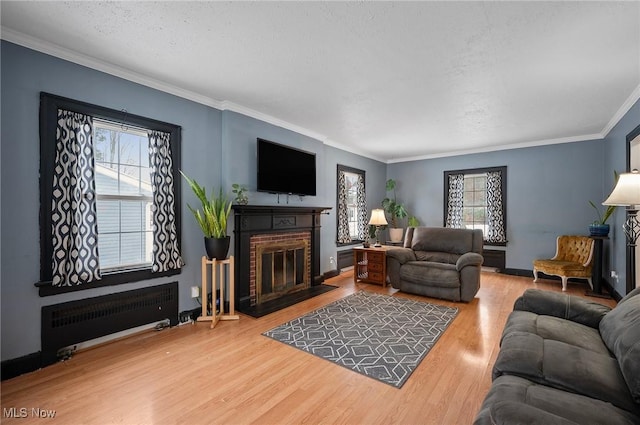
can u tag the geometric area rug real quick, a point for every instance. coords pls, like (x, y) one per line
(379, 336)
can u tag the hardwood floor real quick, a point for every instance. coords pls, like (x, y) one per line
(233, 375)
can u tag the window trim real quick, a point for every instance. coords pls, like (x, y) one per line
(347, 169)
(503, 188)
(49, 105)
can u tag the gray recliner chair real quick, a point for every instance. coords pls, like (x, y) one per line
(437, 262)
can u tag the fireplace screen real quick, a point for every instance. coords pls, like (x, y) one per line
(281, 268)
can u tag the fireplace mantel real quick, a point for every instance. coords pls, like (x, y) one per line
(251, 220)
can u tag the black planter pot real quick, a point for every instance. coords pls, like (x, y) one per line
(599, 229)
(217, 248)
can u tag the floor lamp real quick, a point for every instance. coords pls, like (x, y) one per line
(377, 219)
(627, 194)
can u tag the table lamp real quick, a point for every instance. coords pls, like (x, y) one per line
(377, 219)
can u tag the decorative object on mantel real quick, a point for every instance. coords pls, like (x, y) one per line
(379, 336)
(212, 219)
(241, 196)
(627, 193)
(377, 219)
(600, 227)
(395, 210)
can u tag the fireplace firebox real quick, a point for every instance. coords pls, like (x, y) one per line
(277, 252)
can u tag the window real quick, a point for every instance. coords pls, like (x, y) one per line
(474, 206)
(351, 206)
(124, 196)
(476, 199)
(109, 207)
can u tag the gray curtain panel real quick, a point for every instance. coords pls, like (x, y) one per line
(73, 207)
(495, 218)
(455, 201)
(343, 211)
(362, 209)
(166, 252)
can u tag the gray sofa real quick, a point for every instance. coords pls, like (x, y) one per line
(567, 360)
(437, 262)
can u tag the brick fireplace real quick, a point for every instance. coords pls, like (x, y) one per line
(279, 265)
(277, 252)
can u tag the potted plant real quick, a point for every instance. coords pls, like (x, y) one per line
(600, 227)
(395, 209)
(212, 219)
(241, 196)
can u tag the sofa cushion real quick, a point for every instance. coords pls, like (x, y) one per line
(573, 308)
(549, 327)
(437, 257)
(514, 400)
(563, 366)
(436, 239)
(620, 330)
(430, 273)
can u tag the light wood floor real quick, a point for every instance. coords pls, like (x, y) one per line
(232, 375)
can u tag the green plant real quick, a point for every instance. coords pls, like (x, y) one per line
(413, 221)
(212, 219)
(239, 190)
(602, 218)
(391, 206)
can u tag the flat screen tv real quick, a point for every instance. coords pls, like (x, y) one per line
(283, 169)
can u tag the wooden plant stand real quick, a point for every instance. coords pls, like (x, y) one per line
(221, 266)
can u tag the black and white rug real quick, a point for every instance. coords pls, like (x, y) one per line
(379, 336)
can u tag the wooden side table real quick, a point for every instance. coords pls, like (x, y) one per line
(370, 265)
(220, 266)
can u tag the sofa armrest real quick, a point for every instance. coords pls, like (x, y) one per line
(402, 255)
(469, 259)
(569, 307)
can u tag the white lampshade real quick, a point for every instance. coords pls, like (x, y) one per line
(627, 190)
(378, 218)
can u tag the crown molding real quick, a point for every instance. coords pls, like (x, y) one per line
(631, 100)
(93, 63)
(572, 139)
(350, 149)
(234, 107)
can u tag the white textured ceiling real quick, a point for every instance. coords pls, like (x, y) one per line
(390, 80)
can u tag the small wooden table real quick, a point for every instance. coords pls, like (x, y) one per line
(217, 315)
(370, 264)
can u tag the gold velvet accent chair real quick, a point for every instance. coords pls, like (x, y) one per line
(573, 259)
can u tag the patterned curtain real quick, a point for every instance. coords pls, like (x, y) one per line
(166, 252)
(495, 220)
(74, 221)
(343, 212)
(362, 209)
(454, 203)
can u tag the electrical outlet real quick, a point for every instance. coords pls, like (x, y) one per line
(614, 275)
(195, 291)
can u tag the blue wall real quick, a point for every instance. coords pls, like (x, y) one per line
(548, 189)
(239, 133)
(218, 148)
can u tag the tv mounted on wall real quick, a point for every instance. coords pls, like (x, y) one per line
(283, 169)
